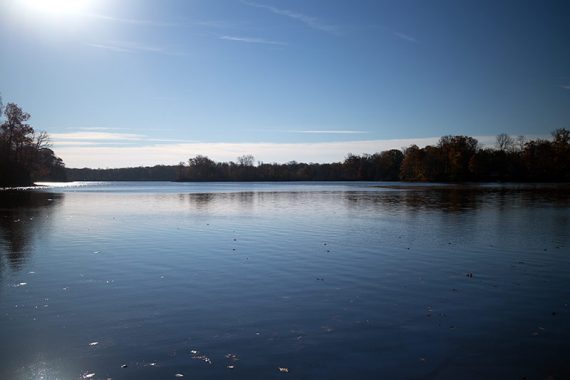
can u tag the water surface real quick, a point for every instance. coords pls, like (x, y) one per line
(326, 280)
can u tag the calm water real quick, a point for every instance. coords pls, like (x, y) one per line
(323, 280)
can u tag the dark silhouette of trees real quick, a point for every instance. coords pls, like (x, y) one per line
(154, 173)
(25, 155)
(456, 154)
(505, 143)
(452, 159)
(460, 159)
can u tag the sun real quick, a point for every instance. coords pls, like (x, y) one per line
(57, 7)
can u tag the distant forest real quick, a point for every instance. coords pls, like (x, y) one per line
(25, 155)
(453, 159)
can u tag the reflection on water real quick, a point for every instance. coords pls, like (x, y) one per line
(327, 281)
(447, 199)
(22, 215)
(457, 198)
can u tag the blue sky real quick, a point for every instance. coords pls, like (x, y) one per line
(131, 82)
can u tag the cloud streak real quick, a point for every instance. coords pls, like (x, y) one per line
(96, 136)
(328, 132)
(405, 37)
(105, 138)
(252, 40)
(133, 21)
(134, 47)
(309, 21)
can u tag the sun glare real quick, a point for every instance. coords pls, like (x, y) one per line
(57, 7)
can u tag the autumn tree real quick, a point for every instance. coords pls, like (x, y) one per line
(26, 156)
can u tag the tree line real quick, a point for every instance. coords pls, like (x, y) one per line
(25, 155)
(452, 159)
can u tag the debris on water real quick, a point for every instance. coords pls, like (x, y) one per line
(193, 352)
(124, 366)
(232, 357)
(470, 275)
(153, 364)
(257, 333)
(422, 359)
(283, 369)
(88, 375)
(535, 334)
(21, 284)
(230, 366)
(179, 375)
(93, 343)
(31, 272)
(17, 220)
(203, 358)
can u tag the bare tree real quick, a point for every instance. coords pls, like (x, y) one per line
(42, 140)
(246, 160)
(505, 143)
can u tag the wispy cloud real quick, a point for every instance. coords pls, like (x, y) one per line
(328, 132)
(217, 24)
(133, 21)
(565, 87)
(252, 40)
(406, 37)
(96, 136)
(135, 47)
(95, 129)
(310, 21)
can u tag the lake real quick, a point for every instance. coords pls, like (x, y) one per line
(308, 280)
